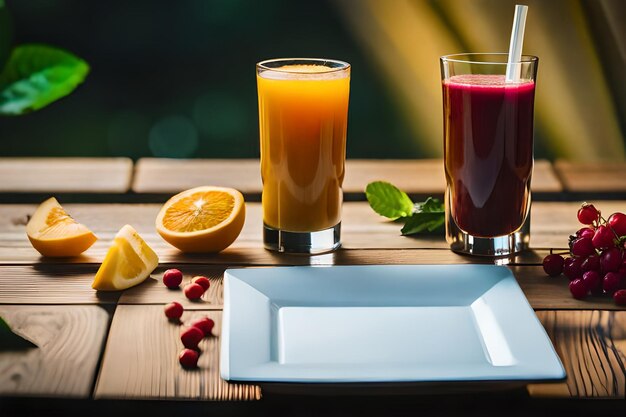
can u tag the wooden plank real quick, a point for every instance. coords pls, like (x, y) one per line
(544, 178)
(424, 176)
(141, 360)
(592, 177)
(542, 291)
(592, 347)
(69, 340)
(170, 176)
(415, 176)
(552, 223)
(65, 175)
(51, 284)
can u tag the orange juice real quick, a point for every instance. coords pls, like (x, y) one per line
(303, 118)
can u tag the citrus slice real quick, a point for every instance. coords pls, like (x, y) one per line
(53, 232)
(203, 219)
(128, 262)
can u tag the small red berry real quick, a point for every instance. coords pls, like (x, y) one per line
(188, 358)
(583, 246)
(585, 232)
(572, 269)
(591, 263)
(202, 281)
(611, 260)
(205, 324)
(617, 221)
(620, 297)
(553, 264)
(603, 238)
(172, 278)
(173, 310)
(592, 280)
(191, 336)
(611, 282)
(193, 291)
(578, 288)
(588, 214)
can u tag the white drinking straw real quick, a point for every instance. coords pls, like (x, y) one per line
(513, 67)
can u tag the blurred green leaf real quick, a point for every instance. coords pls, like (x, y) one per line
(6, 33)
(37, 75)
(12, 341)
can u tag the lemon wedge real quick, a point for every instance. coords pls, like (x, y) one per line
(53, 232)
(128, 262)
(202, 219)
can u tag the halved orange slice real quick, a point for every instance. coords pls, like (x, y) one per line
(53, 232)
(203, 219)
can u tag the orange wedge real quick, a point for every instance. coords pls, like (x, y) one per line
(128, 262)
(53, 232)
(203, 219)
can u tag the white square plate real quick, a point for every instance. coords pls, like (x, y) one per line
(381, 324)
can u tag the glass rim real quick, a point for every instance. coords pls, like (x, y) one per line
(470, 55)
(342, 65)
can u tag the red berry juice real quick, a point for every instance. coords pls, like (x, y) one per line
(488, 148)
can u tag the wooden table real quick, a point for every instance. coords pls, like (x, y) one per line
(119, 346)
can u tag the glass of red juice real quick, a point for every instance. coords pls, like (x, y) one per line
(488, 152)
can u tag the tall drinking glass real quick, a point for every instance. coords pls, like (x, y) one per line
(303, 119)
(488, 152)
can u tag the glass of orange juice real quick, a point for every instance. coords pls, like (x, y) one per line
(303, 120)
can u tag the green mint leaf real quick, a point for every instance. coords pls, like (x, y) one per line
(423, 223)
(6, 34)
(12, 341)
(431, 205)
(387, 200)
(37, 75)
(429, 217)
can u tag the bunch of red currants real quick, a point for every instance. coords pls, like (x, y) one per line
(596, 264)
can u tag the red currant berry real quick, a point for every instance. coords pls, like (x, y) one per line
(591, 263)
(617, 222)
(572, 269)
(592, 280)
(611, 282)
(188, 358)
(173, 310)
(603, 237)
(193, 291)
(578, 288)
(620, 297)
(585, 232)
(553, 264)
(191, 336)
(172, 278)
(205, 325)
(583, 246)
(611, 260)
(588, 214)
(202, 281)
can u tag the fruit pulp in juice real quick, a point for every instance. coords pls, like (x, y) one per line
(303, 118)
(488, 149)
